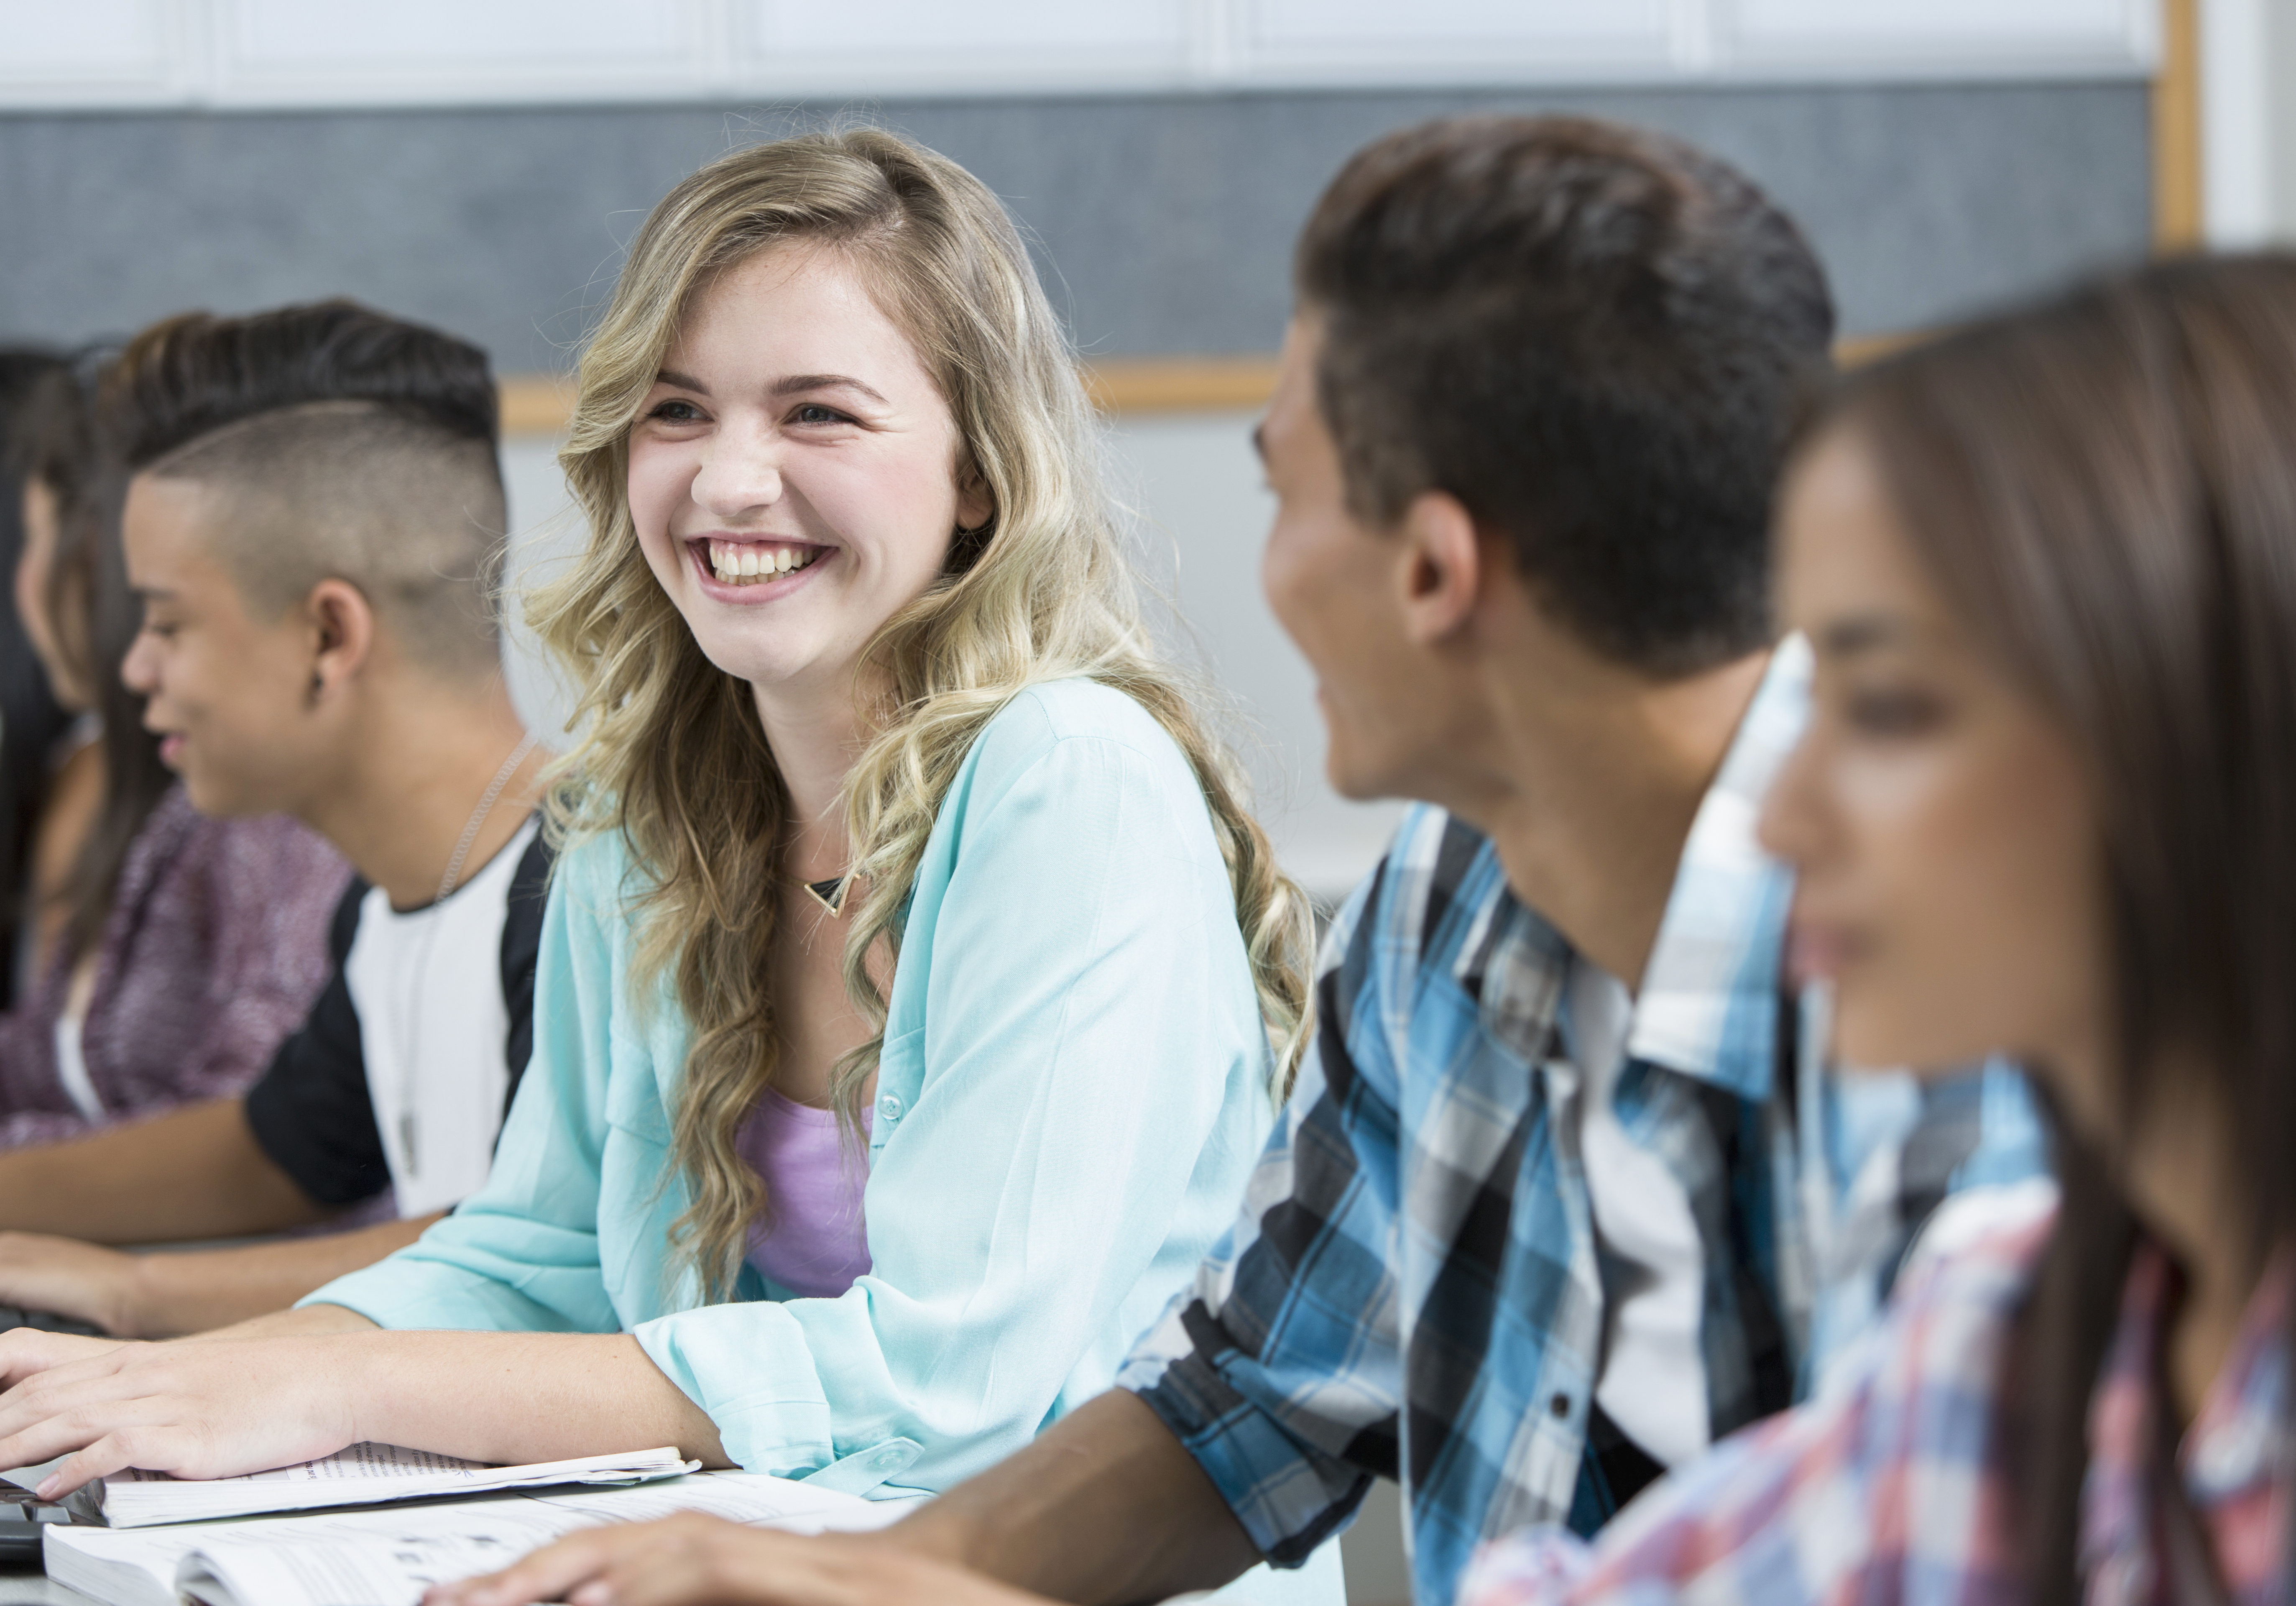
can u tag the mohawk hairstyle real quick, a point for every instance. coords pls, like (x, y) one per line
(338, 442)
(191, 374)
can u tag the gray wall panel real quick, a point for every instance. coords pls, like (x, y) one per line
(1167, 220)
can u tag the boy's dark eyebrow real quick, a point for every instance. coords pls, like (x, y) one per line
(151, 593)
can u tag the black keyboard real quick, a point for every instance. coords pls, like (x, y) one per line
(47, 1321)
(20, 1523)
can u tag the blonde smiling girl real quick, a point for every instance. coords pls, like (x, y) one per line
(904, 1010)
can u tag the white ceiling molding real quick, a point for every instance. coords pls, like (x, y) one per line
(262, 54)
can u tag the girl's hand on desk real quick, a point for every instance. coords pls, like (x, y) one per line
(27, 1351)
(697, 1560)
(209, 1409)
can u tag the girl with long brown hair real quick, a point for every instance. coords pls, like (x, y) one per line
(2049, 569)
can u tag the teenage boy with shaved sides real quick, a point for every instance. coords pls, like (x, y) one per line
(313, 524)
(1553, 1206)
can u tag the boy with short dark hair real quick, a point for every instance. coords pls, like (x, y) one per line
(313, 524)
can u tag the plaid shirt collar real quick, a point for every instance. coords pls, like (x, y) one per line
(1708, 1003)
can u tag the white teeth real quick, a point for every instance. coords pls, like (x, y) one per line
(735, 564)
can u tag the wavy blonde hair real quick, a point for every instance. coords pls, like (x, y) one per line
(671, 751)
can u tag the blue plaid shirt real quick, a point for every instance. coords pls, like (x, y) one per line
(1414, 1289)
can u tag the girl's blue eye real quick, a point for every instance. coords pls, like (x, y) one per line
(676, 412)
(813, 412)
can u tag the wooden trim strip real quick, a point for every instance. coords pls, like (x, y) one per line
(537, 404)
(1181, 384)
(1856, 350)
(2178, 196)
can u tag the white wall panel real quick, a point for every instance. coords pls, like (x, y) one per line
(445, 51)
(1971, 38)
(1378, 41)
(2238, 145)
(95, 51)
(978, 47)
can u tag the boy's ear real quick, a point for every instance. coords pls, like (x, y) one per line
(342, 630)
(1440, 567)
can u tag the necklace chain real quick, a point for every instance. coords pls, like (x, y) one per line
(446, 881)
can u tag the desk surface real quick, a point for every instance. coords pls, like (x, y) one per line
(21, 1587)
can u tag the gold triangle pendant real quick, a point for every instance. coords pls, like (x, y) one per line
(830, 894)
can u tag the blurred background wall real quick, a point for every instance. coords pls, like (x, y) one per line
(479, 163)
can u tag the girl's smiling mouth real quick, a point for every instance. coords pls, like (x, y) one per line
(729, 565)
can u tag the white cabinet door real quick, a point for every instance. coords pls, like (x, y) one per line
(1901, 38)
(91, 53)
(272, 52)
(966, 46)
(1376, 41)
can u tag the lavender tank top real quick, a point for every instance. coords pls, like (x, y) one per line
(812, 1241)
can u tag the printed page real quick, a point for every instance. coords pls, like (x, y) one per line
(139, 1566)
(371, 1570)
(752, 1497)
(360, 1461)
(362, 1475)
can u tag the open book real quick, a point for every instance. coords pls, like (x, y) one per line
(388, 1557)
(362, 1475)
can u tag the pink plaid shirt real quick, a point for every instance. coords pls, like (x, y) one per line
(1888, 1488)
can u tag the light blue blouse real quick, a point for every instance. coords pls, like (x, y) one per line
(1074, 1085)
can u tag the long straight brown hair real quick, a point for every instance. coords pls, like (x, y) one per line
(2104, 489)
(94, 616)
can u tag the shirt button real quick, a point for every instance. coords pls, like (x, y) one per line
(888, 1108)
(1561, 1405)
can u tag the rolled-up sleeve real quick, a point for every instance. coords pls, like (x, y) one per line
(1280, 1369)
